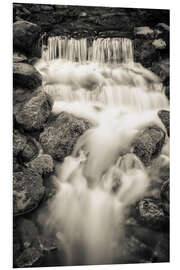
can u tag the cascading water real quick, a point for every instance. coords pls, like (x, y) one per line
(101, 83)
(101, 50)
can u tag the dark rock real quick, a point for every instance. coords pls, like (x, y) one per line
(165, 196)
(43, 164)
(164, 116)
(145, 52)
(33, 112)
(17, 167)
(25, 35)
(161, 250)
(19, 142)
(28, 190)
(150, 213)
(26, 76)
(61, 134)
(149, 144)
(28, 257)
(30, 151)
(161, 68)
(27, 232)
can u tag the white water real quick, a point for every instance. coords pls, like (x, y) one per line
(102, 177)
(101, 50)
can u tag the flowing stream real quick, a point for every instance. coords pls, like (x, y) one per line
(98, 81)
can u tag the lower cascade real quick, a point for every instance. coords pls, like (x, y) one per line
(102, 178)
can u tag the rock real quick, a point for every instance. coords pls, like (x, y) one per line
(150, 213)
(144, 52)
(164, 116)
(161, 250)
(165, 196)
(28, 191)
(26, 76)
(161, 68)
(43, 164)
(149, 144)
(30, 151)
(61, 134)
(16, 166)
(163, 26)
(28, 257)
(19, 142)
(33, 112)
(143, 31)
(159, 44)
(46, 8)
(165, 191)
(25, 35)
(27, 232)
(19, 58)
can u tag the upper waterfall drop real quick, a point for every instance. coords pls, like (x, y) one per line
(101, 50)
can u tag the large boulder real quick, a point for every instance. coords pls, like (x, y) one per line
(28, 191)
(149, 144)
(164, 116)
(33, 110)
(25, 35)
(43, 164)
(161, 68)
(26, 76)
(61, 134)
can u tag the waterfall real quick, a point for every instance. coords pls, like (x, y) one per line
(101, 50)
(98, 80)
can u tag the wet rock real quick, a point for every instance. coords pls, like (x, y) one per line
(151, 214)
(165, 118)
(28, 191)
(30, 151)
(143, 31)
(26, 76)
(28, 257)
(149, 144)
(61, 134)
(19, 142)
(19, 58)
(16, 166)
(159, 44)
(25, 35)
(47, 243)
(43, 164)
(33, 112)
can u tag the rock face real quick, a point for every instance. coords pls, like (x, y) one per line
(61, 134)
(32, 113)
(28, 190)
(149, 144)
(25, 35)
(43, 164)
(164, 116)
(26, 76)
(151, 214)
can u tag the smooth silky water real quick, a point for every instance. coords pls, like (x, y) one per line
(98, 81)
